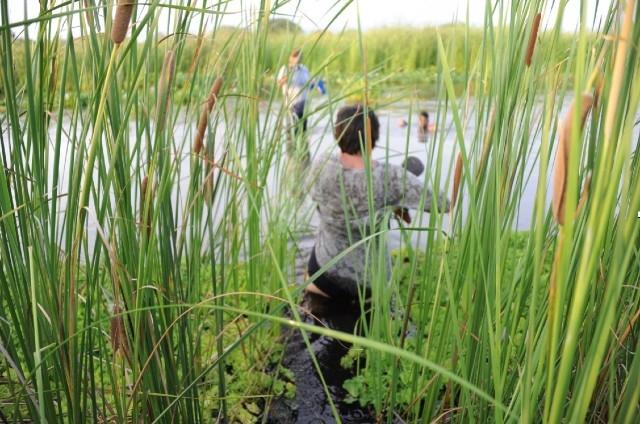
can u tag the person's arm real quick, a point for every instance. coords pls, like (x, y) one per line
(282, 76)
(408, 189)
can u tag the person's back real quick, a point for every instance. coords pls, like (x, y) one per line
(341, 191)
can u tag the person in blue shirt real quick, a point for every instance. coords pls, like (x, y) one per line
(294, 80)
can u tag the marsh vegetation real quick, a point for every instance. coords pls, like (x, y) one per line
(149, 236)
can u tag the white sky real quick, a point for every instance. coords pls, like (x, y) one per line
(316, 14)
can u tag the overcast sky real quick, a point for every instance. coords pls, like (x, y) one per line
(316, 14)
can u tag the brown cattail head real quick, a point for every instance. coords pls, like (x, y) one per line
(213, 94)
(533, 37)
(121, 21)
(562, 156)
(204, 115)
(457, 177)
(117, 332)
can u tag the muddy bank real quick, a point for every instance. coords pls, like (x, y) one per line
(310, 404)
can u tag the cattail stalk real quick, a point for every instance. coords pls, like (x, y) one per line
(146, 205)
(208, 170)
(598, 82)
(164, 88)
(457, 177)
(196, 54)
(124, 10)
(562, 156)
(368, 134)
(620, 340)
(88, 13)
(486, 145)
(618, 73)
(204, 116)
(584, 195)
(533, 37)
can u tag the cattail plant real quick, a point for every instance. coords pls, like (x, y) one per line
(121, 21)
(533, 37)
(369, 141)
(208, 186)
(204, 115)
(486, 145)
(146, 205)
(88, 13)
(196, 54)
(565, 132)
(584, 194)
(457, 177)
(165, 83)
(599, 85)
(117, 333)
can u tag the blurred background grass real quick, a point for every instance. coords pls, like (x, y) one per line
(404, 59)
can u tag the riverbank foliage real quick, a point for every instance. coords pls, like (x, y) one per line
(401, 59)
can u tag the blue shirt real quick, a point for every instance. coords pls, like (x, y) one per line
(296, 87)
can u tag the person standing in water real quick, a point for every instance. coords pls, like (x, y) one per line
(341, 191)
(424, 127)
(294, 80)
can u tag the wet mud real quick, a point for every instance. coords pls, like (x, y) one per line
(310, 404)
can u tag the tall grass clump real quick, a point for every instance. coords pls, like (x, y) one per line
(123, 246)
(148, 235)
(531, 319)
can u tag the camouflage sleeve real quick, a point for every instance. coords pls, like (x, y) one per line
(408, 190)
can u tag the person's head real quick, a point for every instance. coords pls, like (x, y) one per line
(350, 128)
(295, 57)
(423, 119)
